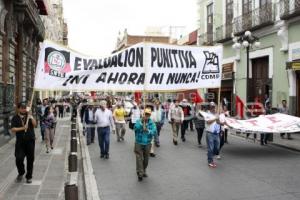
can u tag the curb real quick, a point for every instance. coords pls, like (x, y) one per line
(297, 149)
(90, 183)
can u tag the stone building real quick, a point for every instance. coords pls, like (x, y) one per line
(21, 30)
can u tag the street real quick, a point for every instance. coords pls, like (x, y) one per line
(246, 171)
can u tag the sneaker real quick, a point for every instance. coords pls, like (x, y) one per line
(218, 157)
(145, 175)
(19, 178)
(47, 151)
(51, 147)
(183, 139)
(106, 156)
(29, 181)
(212, 165)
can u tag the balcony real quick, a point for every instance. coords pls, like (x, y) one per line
(32, 16)
(255, 19)
(289, 9)
(223, 33)
(206, 39)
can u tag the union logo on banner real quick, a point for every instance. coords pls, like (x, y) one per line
(57, 63)
(211, 64)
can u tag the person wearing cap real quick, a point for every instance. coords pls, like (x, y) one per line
(105, 122)
(145, 130)
(25, 141)
(119, 117)
(212, 129)
(176, 118)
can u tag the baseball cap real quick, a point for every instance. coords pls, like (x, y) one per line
(147, 111)
(22, 104)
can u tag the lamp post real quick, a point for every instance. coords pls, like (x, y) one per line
(246, 41)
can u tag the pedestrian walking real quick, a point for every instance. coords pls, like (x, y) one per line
(105, 124)
(144, 130)
(90, 120)
(212, 129)
(285, 110)
(49, 123)
(41, 113)
(135, 114)
(186, 108)
(119, 117)
(158, 117)
(25, 141)
(175, 118)
(199, 125)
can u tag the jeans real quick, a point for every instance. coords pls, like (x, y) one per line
(213, 145)
(43, 128)
(184, 127)
(158, 128)
(103, 139)
(90, 133)
(199, 133)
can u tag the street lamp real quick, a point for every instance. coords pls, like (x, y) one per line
(246, 41)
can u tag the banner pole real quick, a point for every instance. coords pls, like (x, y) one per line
(219, 100)
(30, 105)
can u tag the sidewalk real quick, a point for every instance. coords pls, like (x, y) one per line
(50, 170)
(293, 144)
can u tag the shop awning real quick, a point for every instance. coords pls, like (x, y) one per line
(293, 65)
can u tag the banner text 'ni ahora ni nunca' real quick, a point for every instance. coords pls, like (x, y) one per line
(142, 67)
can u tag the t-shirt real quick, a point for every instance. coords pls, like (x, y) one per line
(213, 127)
(119, 114)
(18, 122)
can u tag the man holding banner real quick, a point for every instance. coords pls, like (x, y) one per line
(212, 129)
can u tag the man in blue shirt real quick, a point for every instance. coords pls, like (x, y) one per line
(145, 130)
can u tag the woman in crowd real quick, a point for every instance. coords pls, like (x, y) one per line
(50, 122)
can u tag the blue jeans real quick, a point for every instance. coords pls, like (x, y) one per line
(213, 145)
(103, 139)
(90, 133)
(43, 128)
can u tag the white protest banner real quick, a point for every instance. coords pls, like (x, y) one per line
(142, 67)
(275, 123)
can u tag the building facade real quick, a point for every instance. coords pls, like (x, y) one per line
(21, 30)
(276, 24)
(57, 31)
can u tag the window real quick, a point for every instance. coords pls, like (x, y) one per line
(247, 6)
(229, 11)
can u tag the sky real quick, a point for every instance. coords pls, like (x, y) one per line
(94, 25)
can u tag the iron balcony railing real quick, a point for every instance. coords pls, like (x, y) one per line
(223, 33)
(255, 19)
(31, 10)
(289, 9)
(206, 39)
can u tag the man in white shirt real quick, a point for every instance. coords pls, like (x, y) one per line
(212, 129)
(105, 123)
